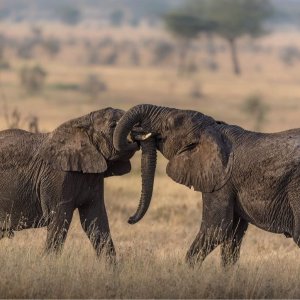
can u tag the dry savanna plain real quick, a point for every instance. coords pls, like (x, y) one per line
(150, 261)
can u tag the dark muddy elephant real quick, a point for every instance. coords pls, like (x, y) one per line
(45, 177)
(245, 177)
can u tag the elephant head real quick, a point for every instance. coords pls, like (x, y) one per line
(85, 145)
(198, 154)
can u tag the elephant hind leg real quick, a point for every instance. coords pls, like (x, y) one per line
(292, 209)
(230, 249)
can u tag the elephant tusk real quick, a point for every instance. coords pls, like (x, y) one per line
(143, 137)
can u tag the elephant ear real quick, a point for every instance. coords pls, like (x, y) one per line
(69, 148)
(207, 166)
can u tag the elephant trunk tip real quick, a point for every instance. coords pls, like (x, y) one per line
(133, 220)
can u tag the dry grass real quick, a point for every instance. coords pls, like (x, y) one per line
(151, 253)
(150, 256)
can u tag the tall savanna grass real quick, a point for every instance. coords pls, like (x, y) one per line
(150, 255)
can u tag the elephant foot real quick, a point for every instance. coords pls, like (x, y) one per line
(193, 259)
(107, 252)
(111, 256)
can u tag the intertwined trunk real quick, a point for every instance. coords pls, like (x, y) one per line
(145, 116)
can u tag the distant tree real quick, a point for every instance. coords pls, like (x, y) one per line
(117, 17)
(70, 15)
(162, 50)
(2, 46)
(256, 109)
(33, 124)
(51, 45)
(230, 19)
(93, 86)
(237, 18)
(33, 78)
(185, 27)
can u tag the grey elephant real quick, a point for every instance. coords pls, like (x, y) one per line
(45, 177)
(245, 177)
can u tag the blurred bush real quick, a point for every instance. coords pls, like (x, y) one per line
(93, 86)
(70, 15)
(51, 46)
(25, 49)
(33, 78)
(196, 91)
(4, 65)
(105, 42)
(2, 46)
(117, 17)
(33, 124)
(134, 57)
(255, 108)
(162, 51)
(93, 55)
(14, 119)
(289, 55)
(111, 58)
(210, 64)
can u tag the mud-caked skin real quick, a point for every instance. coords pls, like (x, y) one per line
(245, 177)
(45, 177)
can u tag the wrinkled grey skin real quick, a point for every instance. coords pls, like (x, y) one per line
(45, 177)
(245, 177)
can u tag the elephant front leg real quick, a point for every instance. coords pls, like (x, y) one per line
(94, 221)
(230, 249)
(57, 229)
(216, 224)
(205, 242)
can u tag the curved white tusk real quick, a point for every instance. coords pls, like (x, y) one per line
(143, 137)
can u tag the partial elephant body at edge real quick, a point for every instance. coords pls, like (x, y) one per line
(45, 177)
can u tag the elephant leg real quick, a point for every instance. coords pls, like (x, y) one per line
(292, 223)
(230, 249)
(202, 245)
(216, 224)
(58, 226)
(94, 221)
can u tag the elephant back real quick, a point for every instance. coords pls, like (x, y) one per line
(18, 147)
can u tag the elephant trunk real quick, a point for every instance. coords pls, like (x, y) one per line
(146, 116)
(148, 171)
(125, 124)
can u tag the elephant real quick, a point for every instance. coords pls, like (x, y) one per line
(46, 176)
(245, 177)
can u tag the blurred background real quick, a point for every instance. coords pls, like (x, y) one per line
(237, 60)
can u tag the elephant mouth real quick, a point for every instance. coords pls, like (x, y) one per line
(126, 154)
(139, 135)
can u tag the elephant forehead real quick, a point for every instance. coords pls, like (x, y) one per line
(179, 118)
(107, 114)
